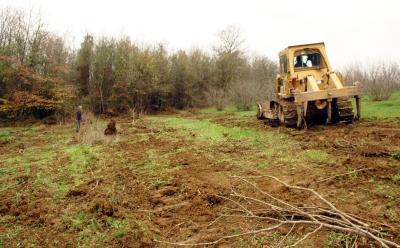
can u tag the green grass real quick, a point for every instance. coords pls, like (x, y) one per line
(271, 147)
(396, 178)
(78, 221)
(212, 132)
(54, 164)
(336, 239)
(395, 155)
(34, 158)
(316, 156)
(273, 240)
(38, 159)
(153, 165)
(381, 109)
(352, 173)
(230, 109)
(5, 136)
(387, 191)
(119, 227)
(89, 230)
(369, 109)
(81, 158)
(8, 170)
(391, 214)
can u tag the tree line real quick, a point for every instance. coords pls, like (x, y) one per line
(114, 75)
(118, 74)
(40, 74)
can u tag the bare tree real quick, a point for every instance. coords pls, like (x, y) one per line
(230, 62)
(103, 78)
(84, 64)
(244, 94)
(379, 80)
(353, 73)
(382, 80)
(217, 98)
(230, 40)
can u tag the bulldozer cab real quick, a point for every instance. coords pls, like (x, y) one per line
(303, 67)
(303, 58)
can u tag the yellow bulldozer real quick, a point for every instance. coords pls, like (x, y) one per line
(308, 91)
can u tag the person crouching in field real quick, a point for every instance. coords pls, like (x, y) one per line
(78, 118)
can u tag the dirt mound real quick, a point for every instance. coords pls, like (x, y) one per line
(85, 188)
(102, 206)
(111, 128)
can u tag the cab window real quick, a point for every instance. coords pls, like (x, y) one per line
(307, 60)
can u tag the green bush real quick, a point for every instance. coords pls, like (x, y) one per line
(5, 136)
(396, 155)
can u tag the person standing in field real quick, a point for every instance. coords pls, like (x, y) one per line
(78, 118)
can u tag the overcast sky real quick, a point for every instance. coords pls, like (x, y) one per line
(352, 30)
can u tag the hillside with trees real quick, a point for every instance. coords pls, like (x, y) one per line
(41, 75)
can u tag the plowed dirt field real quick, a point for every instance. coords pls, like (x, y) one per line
(173, 179)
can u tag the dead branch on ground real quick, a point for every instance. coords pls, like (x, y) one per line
(344, 174)
(270, 213)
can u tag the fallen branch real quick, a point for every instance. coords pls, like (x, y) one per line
(287, 235)
(222, 238)
(343, 174)
(305, 236)
(273, 213)
(358, 226)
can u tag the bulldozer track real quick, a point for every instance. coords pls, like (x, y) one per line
(344, 110)
(288, 113)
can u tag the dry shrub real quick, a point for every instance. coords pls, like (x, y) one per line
(379, 80)
(218, 98)
(354, 73)
(245, 94)
(136, 114)
(382, 80)
(92, 130)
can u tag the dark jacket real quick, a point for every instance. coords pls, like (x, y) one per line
(78, 115)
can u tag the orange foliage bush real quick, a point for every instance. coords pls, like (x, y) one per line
(23, 103)
(26, 93)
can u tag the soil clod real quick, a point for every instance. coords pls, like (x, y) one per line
(111, 128)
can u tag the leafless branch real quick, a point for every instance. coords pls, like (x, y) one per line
(277, 213)
(343, 174)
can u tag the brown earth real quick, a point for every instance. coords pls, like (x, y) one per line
(167, 185)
